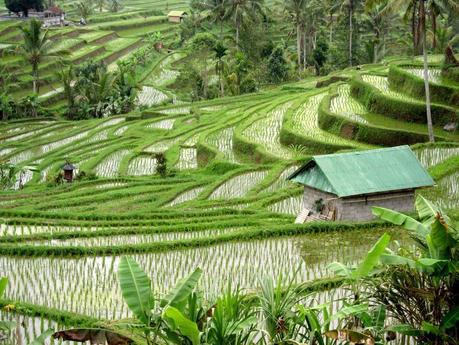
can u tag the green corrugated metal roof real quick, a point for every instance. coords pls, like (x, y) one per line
(364, 172)
(176, 13)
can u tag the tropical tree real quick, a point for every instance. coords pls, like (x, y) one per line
(419, 15)
(84, 8)
(296, 9)
(380, 23)
(115, 5)
(349, 8)
(217, 9)
(203, 44)
(241, 10)
(220, 52)
(35, 48)
(100, 4)
(23, 6)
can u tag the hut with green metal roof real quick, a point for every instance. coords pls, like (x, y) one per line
(344, 186)
(176, 16)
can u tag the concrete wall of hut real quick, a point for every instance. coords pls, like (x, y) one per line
(359, 208)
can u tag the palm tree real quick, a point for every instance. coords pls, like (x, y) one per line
(239, 10)
(218, 11)
(349, 7)
(100, 4)
(296, 10)
(220, 53)
(380, 23)
(115, 5)
(84, 9)
(419, 16)
(35, 48)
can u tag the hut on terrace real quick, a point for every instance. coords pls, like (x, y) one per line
(53, 16)
(176, 16)
(345, 186)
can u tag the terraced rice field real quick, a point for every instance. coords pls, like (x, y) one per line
(238, 186)
(150, 96)
(109, 167)
(142, 165)
(435, 155)
(267, 132)
(434, 74)
(225, 204)
(344, 105)
(305, 120)
(102, 297)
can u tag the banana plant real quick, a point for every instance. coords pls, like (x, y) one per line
(168, 320)
(425, 278)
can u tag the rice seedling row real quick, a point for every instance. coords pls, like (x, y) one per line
(188, 158)
(186, 196)
(92, 288)
(109, 167)
(150, 96)
(238, 186)
(344, 105)
(292, 205)
(142, 165)
(267, 131)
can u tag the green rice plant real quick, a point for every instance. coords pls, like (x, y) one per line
(292, 205)
(120, 131)
(175, 111)
(187, 159)
(116, 240)
(163, 124)
(142, 165)
(446, 193)
(344, 105)
(434, 74)
(150, 96)
(281, 182)
(430, 156)
(267, 131)
(186, 196)
(29, 328)
(161, 146)
(382, 84)
(245, 263)
(305, 120)
(223, 141)
(109, 167)
(238, 186)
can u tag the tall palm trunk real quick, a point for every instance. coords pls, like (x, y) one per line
(330, 38)
(422, 21)
(35, 79)
(414, 31)
(351, 29)
(434, 29)
(237, 32)
(305, 49)
(298, 44)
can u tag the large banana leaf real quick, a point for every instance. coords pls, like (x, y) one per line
(401, 219)
(178, 322)
(372, 258)
(182, 290)
(440, 241)
(390, 259)
(136, 289)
